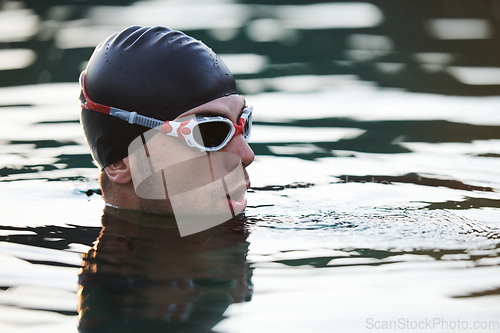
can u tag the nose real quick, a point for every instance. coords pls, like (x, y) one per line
(239, 146)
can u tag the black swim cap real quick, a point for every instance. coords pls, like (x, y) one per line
(155, 71)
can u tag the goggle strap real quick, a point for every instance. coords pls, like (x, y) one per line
(91, 105)
(167, 127)
(147, 121)
(130, 117)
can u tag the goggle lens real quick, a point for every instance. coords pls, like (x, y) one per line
(247, 127)
(211, 134)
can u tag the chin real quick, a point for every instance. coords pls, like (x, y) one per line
(238, 204)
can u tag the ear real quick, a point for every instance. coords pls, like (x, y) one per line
(119, 172)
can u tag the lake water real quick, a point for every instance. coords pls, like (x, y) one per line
(374, 202)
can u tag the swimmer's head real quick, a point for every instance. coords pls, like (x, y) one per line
(154, 71)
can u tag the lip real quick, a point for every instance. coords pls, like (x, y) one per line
(247, 179)
(238, 191)
(237, 199)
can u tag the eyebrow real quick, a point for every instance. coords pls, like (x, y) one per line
(215, 113)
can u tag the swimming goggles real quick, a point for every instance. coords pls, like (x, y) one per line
(202, 132)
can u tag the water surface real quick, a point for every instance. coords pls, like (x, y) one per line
(368, 204)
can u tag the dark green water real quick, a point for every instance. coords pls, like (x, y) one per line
(375, 190)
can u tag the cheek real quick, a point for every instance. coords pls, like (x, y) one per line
(162, 153)
(165, 151)
(231, 161)
(239, 151)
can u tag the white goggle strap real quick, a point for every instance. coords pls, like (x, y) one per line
(180, 129)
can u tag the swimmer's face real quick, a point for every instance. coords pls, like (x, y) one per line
(188, 181)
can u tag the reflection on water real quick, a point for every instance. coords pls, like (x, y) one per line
(141, 275)
(366, 202)
(446, 46)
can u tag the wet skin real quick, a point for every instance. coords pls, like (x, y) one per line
(189, 172)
